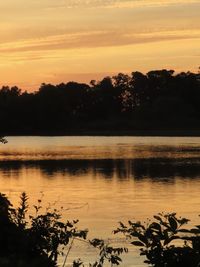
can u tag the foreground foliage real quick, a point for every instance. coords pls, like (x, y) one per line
(38, 240)
(165, 242)
(35, 243)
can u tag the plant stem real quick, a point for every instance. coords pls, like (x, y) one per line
(70, 247)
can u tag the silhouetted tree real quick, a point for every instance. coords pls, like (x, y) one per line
(159, 99)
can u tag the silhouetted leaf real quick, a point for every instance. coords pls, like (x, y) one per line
(195, 231)
(173, 223)
(142, 238)
(167, 241)
(156, 226)
(157, 217)
(137, 243)
(184, 230)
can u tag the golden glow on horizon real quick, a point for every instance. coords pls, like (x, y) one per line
(56, 41)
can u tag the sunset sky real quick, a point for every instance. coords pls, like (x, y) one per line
(55, 41)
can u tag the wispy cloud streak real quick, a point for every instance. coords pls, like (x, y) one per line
(117, 3)
(94, 39)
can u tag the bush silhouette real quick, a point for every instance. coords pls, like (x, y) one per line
(39, 240)
(164, 242)
(33, 242)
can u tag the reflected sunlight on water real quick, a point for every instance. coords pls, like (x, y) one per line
(38, 148)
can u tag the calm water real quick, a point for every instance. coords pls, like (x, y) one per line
(104, 180)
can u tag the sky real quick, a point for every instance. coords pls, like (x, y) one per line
(56, 41)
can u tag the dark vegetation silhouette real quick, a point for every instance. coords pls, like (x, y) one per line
(157, 101)
(38, 240)
(33, 243)
(165, 242)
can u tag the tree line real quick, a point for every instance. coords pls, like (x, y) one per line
(157, 100)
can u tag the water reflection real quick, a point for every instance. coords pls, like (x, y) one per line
(111, 179)
(139, 168)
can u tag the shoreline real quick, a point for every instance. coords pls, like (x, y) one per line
(145, 133)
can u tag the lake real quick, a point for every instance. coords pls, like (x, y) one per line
(104, 180)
